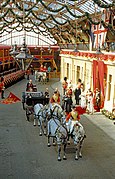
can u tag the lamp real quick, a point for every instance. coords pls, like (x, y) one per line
(24, 56)
(13, 52)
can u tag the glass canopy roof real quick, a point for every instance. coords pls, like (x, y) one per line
(51, 18)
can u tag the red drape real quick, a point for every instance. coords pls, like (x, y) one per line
(95, 63)
(101, 75)
(99, 69)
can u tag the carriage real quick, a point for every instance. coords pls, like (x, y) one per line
(30, 99)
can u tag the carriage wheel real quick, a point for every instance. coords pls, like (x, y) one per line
(23, 106)
(27, 116)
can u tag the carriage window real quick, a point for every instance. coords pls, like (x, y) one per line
(109, 87)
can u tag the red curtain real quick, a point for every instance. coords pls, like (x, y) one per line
(101, 69)
(95, 74)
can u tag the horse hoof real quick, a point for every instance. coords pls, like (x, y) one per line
(40, 134)
(49, 145)
(64, 158)
(59, 159)
(54, 144)
(68, 142)
(76, 158)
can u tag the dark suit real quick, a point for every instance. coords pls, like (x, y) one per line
(77, 93)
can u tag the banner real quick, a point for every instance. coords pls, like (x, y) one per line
(11, 99)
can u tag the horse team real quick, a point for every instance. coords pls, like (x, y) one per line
(51, 120)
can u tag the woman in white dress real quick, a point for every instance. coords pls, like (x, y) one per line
(83, 98)
(90, 103)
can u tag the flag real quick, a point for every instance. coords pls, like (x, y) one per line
(100, 31)
(99, 35)
(11, 99)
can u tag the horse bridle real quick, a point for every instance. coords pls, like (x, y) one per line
(53, 111)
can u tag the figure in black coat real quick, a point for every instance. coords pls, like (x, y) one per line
(68, 103)
(77, 94)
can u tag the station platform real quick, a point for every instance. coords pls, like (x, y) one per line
(97, 118)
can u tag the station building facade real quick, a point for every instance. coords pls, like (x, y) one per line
(94, 70)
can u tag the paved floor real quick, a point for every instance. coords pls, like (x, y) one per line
(97, 118)
(25, 155)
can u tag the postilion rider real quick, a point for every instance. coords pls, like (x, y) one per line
(72, 118)
(55, 98)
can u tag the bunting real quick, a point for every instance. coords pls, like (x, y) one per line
(11, 99)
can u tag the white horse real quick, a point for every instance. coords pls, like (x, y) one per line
(55, 110)
(40, 116)
(57, 130)
(40, 76)
(73, 128)
(77, 132)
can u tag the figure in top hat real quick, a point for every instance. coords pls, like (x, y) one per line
(65, 85)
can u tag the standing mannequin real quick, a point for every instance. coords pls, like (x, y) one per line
(83, 97)
(30, 86)
(77, 94)
(68, 103)
(64, 85)
(2, 87)
(46, 94)
(90, 102)
(55, 98)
